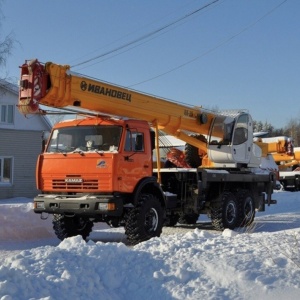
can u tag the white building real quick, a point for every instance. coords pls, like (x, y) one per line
(20, 145)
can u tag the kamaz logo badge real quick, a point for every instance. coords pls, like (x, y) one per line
(101, 164)
(73, 180)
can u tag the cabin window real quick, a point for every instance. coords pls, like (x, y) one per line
(241, 130)
(6, 166)
(134, 141)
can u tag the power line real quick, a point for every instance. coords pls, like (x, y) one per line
(126, 35)
(214, 48)
(130, 48)
(147, 35)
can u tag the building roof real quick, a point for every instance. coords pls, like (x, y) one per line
(13, 88)
(9, 86)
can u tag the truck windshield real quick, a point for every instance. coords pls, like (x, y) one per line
(85, 138)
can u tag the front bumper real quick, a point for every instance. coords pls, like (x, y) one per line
(89, 205)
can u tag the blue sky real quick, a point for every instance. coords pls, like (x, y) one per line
(235, 54)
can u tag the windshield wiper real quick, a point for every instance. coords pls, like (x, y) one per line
(78, 150)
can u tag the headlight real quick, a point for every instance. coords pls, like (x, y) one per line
(39, 205)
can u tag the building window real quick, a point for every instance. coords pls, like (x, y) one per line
(7, 113)
(6, 167)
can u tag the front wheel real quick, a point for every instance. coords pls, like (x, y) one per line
(145, 220)
(67, 226)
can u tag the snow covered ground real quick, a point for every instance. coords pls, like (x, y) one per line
(262, 263)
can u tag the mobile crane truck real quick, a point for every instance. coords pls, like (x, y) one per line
(100, 168)
(287, 158)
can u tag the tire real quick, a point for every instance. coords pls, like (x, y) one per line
(227, 215)
(145, 220)
(65, 226)
(189, 219)
(247, 208)
(191, 153)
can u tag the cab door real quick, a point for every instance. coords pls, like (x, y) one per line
(242, 139)
(135, 162)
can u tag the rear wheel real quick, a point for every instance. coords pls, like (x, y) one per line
(65, 226)
(145, 220)
(226, 215)
(247, 208)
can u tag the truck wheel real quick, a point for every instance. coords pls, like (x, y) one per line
(247, 208)
(65, 226)
(227, 215)
(145, 220)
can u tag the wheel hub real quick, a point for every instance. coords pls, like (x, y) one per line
(231, 212)
(151, 220)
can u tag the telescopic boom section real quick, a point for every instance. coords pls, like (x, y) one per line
(53, 85)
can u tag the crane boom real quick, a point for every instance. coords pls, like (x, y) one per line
(222, 139)
(55, 86)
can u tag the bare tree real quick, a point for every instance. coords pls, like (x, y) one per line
(268, 127)
(257, 126)
(6, 43)
(278, 132)
(292, 129)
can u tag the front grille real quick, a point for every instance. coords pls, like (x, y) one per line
(60, 184)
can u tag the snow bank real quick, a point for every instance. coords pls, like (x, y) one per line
(261, 263)
(21, 223)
